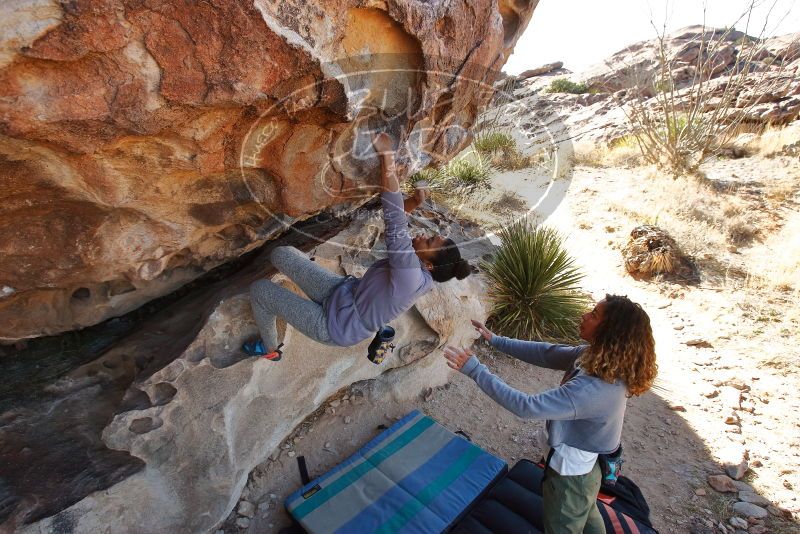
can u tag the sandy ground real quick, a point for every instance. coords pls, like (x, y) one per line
(725, 354)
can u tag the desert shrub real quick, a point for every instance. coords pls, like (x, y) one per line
(588, 154)
(533, 285)
(487, 143)
(685, 123)
(562, 85)
(500, 149)
(622, 152)
(469, 172)
(651, 251)
(509, 202)
(435, 177)
(741, 231)
(626, 141)
(458, 176)
(512, 160)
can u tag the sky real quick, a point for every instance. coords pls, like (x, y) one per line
(585, 32)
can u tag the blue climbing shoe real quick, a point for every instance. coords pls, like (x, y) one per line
(257, 348)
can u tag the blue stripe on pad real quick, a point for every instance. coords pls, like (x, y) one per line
(382, 509)
(296, 498)
(372, 461)
(483, 471)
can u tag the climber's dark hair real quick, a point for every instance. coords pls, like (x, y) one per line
(448, 263)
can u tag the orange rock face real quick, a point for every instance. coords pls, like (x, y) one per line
(144, 142)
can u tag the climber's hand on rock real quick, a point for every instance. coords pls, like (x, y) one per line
(420, 192)
(483, 331)
(456, 358)
(383, 143)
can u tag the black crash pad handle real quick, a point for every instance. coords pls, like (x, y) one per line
(301, 465)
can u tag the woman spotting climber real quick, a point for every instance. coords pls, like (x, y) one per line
(584, 415)
(343, 310)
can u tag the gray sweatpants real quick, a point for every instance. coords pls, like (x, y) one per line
(269, 300)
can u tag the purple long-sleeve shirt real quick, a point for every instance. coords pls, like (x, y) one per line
(361, 306)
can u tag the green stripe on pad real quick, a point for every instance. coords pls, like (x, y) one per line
(371, 462)
(427, 495)
(389, 438)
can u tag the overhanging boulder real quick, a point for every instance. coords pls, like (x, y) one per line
(199, 424)
(143, 143)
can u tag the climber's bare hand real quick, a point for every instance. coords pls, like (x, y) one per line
(483, 331)
(456, 358)
(420, 192)
(383, 143)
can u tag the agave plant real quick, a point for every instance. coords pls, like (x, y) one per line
(533, 285)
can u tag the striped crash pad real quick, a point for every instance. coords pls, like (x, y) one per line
(416, 476)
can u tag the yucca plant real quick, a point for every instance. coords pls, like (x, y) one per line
(533, 285)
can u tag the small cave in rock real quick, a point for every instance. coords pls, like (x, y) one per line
(163, 393)
(134, 399)
(143, 425)
(120, 287)
(82, 294)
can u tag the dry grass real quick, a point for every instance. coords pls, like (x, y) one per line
(491, 209)
(588, 154)
(501, 151)
(781, 271)
(749, 140)
(710, 225)
(773, 139)
(687, 209)
(621, 153)
(741, 243)
(756, 140)
(509, 202)
(705, 222)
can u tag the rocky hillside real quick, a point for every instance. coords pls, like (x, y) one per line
(144, 142)
(596, 111)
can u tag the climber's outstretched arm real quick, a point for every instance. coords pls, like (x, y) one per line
(384, 147)
(389, 182)
(414, 201)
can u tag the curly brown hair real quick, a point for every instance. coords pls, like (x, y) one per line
(623, 347)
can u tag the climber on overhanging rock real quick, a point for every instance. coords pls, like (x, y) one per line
(345, 310)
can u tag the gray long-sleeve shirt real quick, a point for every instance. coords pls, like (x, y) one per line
(360, 306)
(585, 412)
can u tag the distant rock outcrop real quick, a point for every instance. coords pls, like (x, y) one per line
(144, 142)
(544, 69)
(598, 115)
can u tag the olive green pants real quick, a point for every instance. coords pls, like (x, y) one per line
(569, 503)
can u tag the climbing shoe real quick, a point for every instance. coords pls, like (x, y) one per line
(381, 345)
(257, 348)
